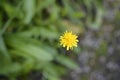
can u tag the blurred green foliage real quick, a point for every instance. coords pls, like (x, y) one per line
(30, 30)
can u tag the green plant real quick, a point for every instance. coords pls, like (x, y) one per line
(29, 33)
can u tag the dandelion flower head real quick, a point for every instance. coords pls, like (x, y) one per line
(68, 40)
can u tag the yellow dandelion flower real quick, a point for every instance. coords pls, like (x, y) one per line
(68, 40)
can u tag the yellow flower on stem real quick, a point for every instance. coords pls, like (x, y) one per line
(68, 40)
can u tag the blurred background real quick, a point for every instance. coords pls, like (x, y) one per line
(29, 39)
